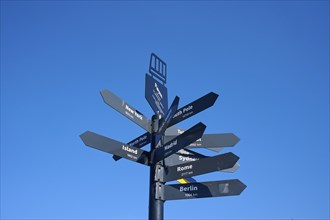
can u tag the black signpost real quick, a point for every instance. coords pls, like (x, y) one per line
(171, 156)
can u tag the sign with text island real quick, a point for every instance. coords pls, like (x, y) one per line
(138, 142)
(198, 167)
(114, 147)
(202, 190)
(125, 109)
(179, 142)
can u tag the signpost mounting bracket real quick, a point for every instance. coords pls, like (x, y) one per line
(159, 174)
(159, 191)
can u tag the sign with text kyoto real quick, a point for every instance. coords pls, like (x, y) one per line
(171, 155)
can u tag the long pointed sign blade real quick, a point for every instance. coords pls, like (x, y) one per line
(179, 142)
(185, 156)
(169, 115)
(156, 95)
(194, 108)
(203, 190)
(125, 109)
(198, 167)
(138, 142)
(114, 147)
(212, 140)
(173, 131)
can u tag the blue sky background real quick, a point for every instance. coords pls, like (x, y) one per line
(268, 61)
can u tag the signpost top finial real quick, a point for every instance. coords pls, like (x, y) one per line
(157, 68)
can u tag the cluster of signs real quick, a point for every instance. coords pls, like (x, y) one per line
(174, 148)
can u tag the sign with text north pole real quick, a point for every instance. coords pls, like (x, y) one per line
(198, 167)
(138, 142)
(179, 142)
(114, 147)
(125, 109)
(156, 95)
(202, 190)
(193, 108)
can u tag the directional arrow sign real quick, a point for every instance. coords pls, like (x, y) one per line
(125, 109)
(114, 147)
(202, 190)
(198, 167)
(138, 142)
(168, 117)
(212, 140)
(185, 156)
(194, 108)
(173, 131)
(156, 95)
(179, 142)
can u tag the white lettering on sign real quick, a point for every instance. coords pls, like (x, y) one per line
(189, 108)
(131, 111)
(188, 188)
(170, 145)
(184, 159)
(139, 116)
(184, 168)
(143, 138)
(158, 91)
(177, 114)
(128, 149)
(180, 131)
(140, 140)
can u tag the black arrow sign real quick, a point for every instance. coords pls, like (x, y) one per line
(179, 142)
(138, 142)
(156, 95)
(125, 109)
(114, 147)
(185, 156)
(173, 131)
(212, 140)
(168, 117)
(194, 108)
(198, 167)
(202, 190)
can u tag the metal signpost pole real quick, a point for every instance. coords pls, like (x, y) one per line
(168, 159)
(156, 206)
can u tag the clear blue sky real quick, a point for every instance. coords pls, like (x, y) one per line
(268, 61)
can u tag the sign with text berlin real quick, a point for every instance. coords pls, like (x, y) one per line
(202, 190)
(125, 109)
(198, 167)
(114, 147)
(179, 142)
